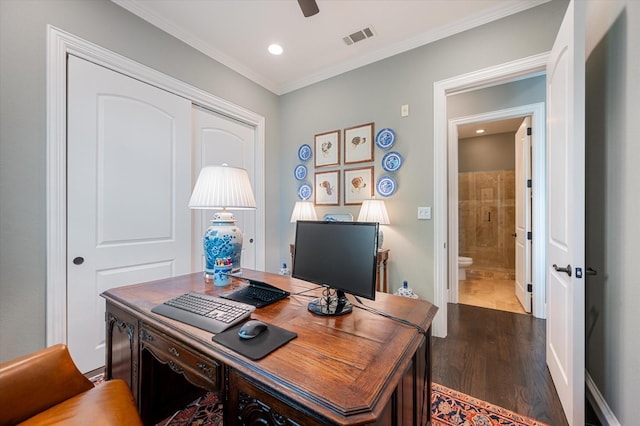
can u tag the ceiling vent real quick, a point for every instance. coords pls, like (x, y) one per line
(358, 36)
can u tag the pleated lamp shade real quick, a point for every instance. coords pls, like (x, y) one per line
(373, 211)
(222, 187)
(303, 210)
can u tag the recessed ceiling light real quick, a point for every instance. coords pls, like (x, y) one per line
(480, 131)
(275, 49)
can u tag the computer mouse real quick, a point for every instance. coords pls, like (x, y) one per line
(251, 329)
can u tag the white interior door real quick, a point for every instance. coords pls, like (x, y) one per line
(128, 187)
(218, 139)
(523, 214)
(565, 195)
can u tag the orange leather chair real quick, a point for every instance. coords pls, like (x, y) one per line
(46, 388)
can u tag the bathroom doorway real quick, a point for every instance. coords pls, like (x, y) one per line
(487, 217)
(487, 175)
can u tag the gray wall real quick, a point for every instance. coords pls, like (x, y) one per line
(375, 93)
(487, 153)
(23, 145)
(613, 204)
(527, 91)
(509, 95)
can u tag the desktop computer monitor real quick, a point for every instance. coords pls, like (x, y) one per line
(342, 257)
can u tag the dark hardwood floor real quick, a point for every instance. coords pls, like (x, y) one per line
(498, 357)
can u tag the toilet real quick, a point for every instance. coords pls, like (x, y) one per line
(463, 264)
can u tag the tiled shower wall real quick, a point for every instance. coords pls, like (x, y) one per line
(486, 219)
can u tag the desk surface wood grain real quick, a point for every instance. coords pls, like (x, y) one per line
(343, 366)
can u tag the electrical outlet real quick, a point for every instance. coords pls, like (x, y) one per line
(424, 213)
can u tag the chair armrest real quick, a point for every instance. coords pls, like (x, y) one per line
(38, 381)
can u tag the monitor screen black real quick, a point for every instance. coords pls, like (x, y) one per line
(342, 256)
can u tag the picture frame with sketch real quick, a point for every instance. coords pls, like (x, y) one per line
(326, 148)
(358, 144)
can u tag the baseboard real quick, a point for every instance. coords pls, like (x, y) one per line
(599, 404)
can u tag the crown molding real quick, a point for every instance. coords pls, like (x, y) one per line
(499, 11)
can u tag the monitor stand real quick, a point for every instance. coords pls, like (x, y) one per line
(333, 302)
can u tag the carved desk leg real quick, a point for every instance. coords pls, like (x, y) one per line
(122, 348)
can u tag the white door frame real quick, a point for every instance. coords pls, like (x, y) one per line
(59, 45)
(538, 126)
(500, 74)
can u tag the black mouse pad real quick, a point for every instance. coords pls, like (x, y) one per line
(263, 344)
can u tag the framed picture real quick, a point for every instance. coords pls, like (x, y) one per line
(358, 144)
(327, 148)
(358, 185)
(327, 188)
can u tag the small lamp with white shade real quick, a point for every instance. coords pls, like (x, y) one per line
(221, 188)
(302, 210)
(374, 210)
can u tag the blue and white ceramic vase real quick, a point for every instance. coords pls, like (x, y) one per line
(223, 239)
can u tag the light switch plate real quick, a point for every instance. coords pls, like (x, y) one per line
(404, 110)
(424, 213)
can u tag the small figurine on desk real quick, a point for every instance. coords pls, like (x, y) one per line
(406, 291)
(284, 270)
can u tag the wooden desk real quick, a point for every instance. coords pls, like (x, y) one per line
(360, 368)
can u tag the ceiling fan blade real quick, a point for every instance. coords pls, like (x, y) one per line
(309, 7)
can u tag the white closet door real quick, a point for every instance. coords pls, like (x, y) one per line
(128, 188)
(218, 139)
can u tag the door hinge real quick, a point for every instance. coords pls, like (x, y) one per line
(528, 131)
(530, 288)
(529, 235)
(529, 183)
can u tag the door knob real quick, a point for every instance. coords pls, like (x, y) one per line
(514, 235)
(560, 269)
(591, 271)
(78, 260)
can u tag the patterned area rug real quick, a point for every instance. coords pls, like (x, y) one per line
(204, 411)
(448, 408)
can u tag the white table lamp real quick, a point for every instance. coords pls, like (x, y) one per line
(374, 210)
(303, 210)
(221, 188)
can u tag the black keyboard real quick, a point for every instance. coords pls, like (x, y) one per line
(257, 293)
(262, 294)
(209, 313)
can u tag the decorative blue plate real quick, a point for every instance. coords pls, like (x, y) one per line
(304, 152)
(339, 217)
(385, 138)
(386, 186)
(391, 161)
(300, 172)
(304, 191)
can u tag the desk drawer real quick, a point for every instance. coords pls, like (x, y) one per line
(194, 366)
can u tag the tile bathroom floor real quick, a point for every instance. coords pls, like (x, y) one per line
(490, 293)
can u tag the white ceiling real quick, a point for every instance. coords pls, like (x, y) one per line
(236, 33)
